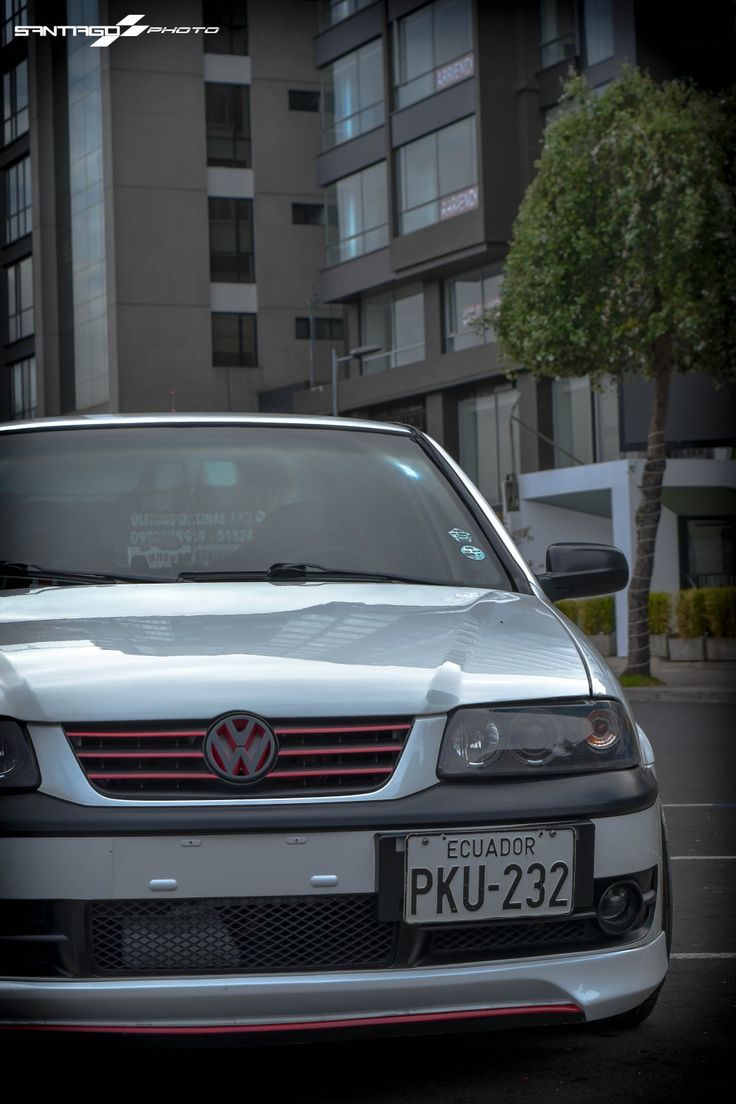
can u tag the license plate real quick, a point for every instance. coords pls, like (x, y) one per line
(453, 876)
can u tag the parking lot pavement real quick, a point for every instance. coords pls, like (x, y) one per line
(695, 765)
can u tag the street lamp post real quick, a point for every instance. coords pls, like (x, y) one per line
(355, 354)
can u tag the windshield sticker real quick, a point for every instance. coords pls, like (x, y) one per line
(460, 535)
(472, 552)
(168, 538)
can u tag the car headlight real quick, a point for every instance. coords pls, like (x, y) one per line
(560, 738)
(18, 767)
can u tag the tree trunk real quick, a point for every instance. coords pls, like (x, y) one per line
(648, 513)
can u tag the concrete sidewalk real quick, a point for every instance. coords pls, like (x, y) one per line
(683, 682)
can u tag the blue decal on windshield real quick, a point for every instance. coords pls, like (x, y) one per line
(472, 552)
(460, 535)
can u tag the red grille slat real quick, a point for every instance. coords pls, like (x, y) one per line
(103, 753)
(322, 772)
(314, 758)
(178, 775)
(346, 728)
(363, 749)
(111, 734)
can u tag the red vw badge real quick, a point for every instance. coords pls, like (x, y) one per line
(240, 747)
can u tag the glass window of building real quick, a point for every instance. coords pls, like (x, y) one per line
(606, 419)
(231, 18)
(19, 283)
(325, 329)
(585, 421)
(432, 50)
(18, 200)
(334, 11)
(708, 551)
(231, 241)
(572, 419)
(357, 214)
(304, 99)
(597, 30)
(227, 108)
(393, 320)
(411, 413)
(489, 441)
(15, 102)
(558, 31)
(234, 341)
(438, 178)
(467, 299)
(23, 402)
(308, 214)
(14, 12)
(352, 95)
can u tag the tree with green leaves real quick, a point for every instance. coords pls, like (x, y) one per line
(623, 262)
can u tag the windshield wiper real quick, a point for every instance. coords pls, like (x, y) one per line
(12, 570)
(286, 572)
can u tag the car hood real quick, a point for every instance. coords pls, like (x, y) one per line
(314, 649)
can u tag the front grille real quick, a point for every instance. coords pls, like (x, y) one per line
(166, 759)
(239, 935)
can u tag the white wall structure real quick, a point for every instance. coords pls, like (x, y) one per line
(598, 502)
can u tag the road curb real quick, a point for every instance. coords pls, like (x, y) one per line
(683, 695)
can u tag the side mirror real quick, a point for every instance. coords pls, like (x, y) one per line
(583, 570)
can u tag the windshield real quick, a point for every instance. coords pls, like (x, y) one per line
(156, 501)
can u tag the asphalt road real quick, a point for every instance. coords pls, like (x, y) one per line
(684, 1048)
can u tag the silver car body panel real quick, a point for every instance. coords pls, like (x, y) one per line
(262, 864)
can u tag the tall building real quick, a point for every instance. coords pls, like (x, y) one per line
(433, 116)
(162, 230)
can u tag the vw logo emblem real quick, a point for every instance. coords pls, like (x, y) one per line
(240, 747)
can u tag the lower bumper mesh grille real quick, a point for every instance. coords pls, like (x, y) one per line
(243, 935)
(268, 935)
(497, 937)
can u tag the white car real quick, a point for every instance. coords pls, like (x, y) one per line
(292, 742)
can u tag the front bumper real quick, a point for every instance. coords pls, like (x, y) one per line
(533, 986)
(599, 985)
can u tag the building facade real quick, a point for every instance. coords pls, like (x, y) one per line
(433, 115)
(162, 230)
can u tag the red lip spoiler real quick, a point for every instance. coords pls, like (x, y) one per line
(309, 1025)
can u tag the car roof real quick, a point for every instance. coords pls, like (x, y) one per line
(92, 421)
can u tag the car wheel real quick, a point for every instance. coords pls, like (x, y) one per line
(637, 1015)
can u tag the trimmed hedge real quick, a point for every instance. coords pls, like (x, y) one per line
(597, 615)
(660, 612)
(592, 615)
(720, 610)
(708, 611)
(570, 607)
(690, 614)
